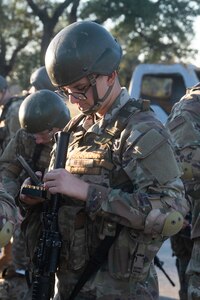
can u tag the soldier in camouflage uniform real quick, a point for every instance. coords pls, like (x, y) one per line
(41, 115)
(9, 123)
(10, 105)
(39, 80)
(184, 124)
(181, 244)
(9, 117)
(8, 216)
(117, 177)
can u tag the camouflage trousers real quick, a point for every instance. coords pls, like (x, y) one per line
(193, 271)
(108, 288)
(19, 258)
(181, 264)
(14, 288)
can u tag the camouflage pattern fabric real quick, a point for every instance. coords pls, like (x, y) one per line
(193, 272)
(13, 289)
(8, 210)
(20, 260)
(9, 125)
(182, 249)
(184, 125)
(10, 120)
(6, 256)
(11, 172)
(12, 176)
(181, 244)
(129, 174)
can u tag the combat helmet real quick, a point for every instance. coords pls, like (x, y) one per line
(3, 83)
(43, 110)
(82, 49)
(40, 80)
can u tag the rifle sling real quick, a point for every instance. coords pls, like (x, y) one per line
(95, 262)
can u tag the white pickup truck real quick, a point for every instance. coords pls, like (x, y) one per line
(163, 84)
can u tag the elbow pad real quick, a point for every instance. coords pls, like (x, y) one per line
(166, 224)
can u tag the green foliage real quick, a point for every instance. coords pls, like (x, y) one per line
(148, 30)
(154, 24)
(16, 30)
(151, 31)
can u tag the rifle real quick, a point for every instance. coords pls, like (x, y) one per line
(48, 250)
(34, 179)
(159, 264)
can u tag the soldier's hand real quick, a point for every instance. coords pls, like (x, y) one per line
(63, 182)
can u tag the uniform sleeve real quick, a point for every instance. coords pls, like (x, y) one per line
(185, 130)
(12, 119)
(158, 193)
(10, 168)
(8, 216)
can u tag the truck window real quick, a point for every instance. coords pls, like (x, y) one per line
(163, 89)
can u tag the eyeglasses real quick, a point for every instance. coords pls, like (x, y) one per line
(76, 95)
(79, 96)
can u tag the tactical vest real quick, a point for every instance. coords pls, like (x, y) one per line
(91, 159)
(95, 156)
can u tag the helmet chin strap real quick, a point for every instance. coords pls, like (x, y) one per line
(97, 101)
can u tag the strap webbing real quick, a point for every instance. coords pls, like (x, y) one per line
(95, 262)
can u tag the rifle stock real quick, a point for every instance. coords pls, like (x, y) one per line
(48, 250)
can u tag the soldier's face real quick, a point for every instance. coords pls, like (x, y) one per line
(44, 137)
(81, 93)
(86, 96)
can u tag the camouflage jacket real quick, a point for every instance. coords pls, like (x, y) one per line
(9, 121)
(125, 158)
(12, 173)
(184, 125)
(37, 156)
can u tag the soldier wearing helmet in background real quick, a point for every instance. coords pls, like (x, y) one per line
(120, 193)
(184, 125)
(9, 124)
(41, 114)
(9, 115)
(10, 107)
(40, 80)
